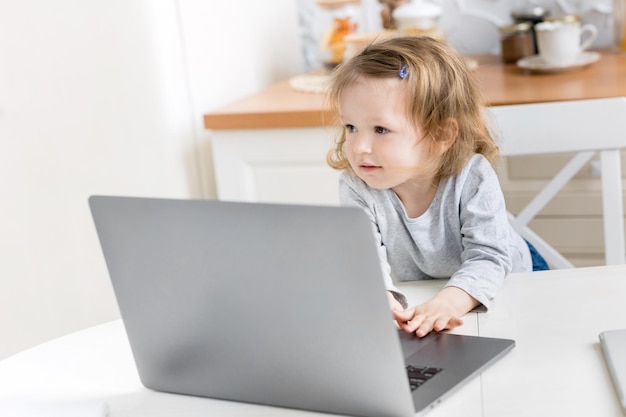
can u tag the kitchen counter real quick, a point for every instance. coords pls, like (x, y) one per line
(277, 106)
(281, 106)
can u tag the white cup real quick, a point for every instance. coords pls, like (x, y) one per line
(560, 42)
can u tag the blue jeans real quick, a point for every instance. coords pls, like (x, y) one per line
(539, 264)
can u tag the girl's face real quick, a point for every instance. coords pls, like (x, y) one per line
(382, 145)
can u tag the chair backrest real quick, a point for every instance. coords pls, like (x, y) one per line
(563, 126)
(584, 127)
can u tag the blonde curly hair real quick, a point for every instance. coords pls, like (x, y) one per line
(440, 88)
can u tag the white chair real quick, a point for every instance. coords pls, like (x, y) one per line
(584, 127)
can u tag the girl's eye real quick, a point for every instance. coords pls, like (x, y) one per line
(381, 130)
(350, 128)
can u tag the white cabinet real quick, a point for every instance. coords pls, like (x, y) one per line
(274, 165)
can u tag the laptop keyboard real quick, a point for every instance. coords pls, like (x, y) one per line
(418, 375)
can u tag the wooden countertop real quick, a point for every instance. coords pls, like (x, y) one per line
(508, 84)
(280, 106)
(277, 106)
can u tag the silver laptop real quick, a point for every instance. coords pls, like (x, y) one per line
(613, 344)
(272, 304)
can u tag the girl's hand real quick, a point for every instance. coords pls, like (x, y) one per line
(442, 312)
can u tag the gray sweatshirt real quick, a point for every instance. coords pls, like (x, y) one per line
(464, 235)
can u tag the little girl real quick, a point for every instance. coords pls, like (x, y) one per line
(416, 154)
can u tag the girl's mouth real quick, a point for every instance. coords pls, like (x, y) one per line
(368, 167)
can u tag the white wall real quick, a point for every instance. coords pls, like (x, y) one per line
(234, 49)
(107, 97)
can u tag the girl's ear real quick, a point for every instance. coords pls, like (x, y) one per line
(447, 133)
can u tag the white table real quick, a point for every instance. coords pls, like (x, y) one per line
(556, 368)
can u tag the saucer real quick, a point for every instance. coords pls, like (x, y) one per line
(535, 63)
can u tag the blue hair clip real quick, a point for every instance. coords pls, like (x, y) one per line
(404, 72)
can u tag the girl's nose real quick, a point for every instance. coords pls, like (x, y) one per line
(362, 143)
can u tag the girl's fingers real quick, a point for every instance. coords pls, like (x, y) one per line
(411, 321)
(424, 327)
(403, 315)
(443, 324)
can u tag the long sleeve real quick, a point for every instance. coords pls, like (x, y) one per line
(464, 235)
